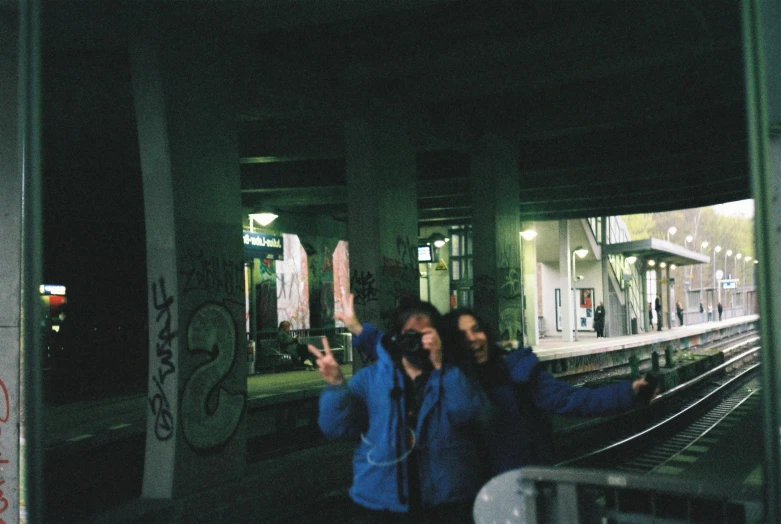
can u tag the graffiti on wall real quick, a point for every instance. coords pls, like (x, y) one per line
(5, 416)
(266, 296)
(364, 287)
(341, 274)
(213, 274)
(210, 412)
(293, 284)
(485, 291)
(164, 364)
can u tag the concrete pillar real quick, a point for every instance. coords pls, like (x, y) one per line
(529, 267)
(496, 225)
(10, 268)
(197, 374)
(566, 283)
(382, 222)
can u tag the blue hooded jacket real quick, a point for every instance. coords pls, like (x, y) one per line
(444, 443)
(520, 389)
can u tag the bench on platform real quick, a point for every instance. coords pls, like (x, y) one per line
(269, 356)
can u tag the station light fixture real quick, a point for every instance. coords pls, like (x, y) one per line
(631, 260)
(528, 234)
(662, 264)
(263, 219)
(671, 231)
(672, 267)
(652, 263)
(580, 251)
(703, 245)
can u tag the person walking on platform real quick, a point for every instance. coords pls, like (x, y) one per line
(412, 417)
(679, 312)
(658, 308)
(521, 391)
(720, 310)
(599, 320)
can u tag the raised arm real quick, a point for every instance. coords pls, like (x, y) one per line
(347, 314)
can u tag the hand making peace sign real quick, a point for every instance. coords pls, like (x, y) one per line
(327, 364)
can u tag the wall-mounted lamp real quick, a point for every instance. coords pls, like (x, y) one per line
(528, 234)
(652, 263)
(263, 219)
(662, 264)
(438, 239)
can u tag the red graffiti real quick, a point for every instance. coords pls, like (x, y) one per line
(3, 502)
(7, 415)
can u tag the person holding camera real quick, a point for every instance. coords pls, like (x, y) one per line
(412, 419)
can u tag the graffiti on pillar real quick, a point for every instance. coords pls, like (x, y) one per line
(5, 416)
(212, 274)
(485, 291)
(266, 296)
(511, 283)
(165, 365)
(407, 253)
(364, 287)
(510, 327)
(210, 412)
(293, 284)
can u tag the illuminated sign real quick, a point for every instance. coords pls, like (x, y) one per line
(424, 254)
(729, 284)
(51, 289)
(262, 245)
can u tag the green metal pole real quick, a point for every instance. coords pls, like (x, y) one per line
(765, 185)
(31, 339)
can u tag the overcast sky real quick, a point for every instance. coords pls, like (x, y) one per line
(741, 208)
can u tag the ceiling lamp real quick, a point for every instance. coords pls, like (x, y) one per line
(263, 219)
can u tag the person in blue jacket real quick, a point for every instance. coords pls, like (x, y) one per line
(521, 391)
(412, 418)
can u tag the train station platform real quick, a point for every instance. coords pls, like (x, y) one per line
(96, 422)
(278, 405)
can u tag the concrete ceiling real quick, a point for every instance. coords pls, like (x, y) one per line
(617, 107)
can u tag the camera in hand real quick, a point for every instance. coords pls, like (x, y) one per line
(408, 345)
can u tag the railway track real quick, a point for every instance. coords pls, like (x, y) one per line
(676, 431)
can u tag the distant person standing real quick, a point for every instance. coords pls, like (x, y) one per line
(702, 313)
(710, 311)
(658, 308)
(679, 312)
(720, 309)
(599, 320)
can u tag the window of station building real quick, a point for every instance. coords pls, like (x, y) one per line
(461, 253)
(461, 292)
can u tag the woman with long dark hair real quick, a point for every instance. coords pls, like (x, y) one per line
(521, 391)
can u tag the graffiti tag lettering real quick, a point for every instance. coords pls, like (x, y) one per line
(211, 274)
(158, 403)
(364, 286)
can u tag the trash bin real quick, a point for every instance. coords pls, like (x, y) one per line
(634, 326)
(251, 356)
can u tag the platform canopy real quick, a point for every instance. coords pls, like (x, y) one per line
(657, 250)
